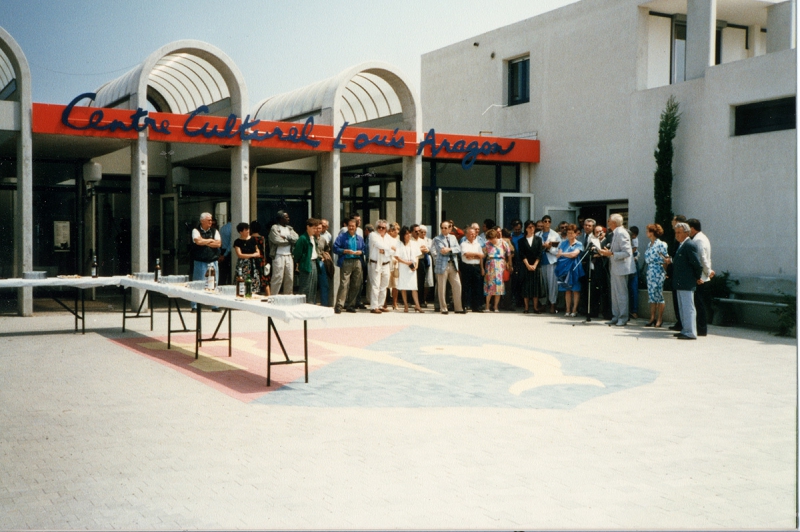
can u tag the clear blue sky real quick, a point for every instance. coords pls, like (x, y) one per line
(76, 46)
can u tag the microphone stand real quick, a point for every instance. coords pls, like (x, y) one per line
(589, 249)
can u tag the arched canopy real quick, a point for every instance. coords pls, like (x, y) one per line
(15, 73)
(178, 78)
(370, 92)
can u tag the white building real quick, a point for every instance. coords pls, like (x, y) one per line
(590, 81)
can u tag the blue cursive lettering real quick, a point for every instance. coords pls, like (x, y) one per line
(471, 151)
(96, 118)
(337, 143)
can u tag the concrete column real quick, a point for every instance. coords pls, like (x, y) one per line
(412, 190)
(240, 190)
(23, 217)
(253, 194)
(240, 184)
(754, 46)
(330, 188)
(781, 29)
(701, 27)
(139, 212)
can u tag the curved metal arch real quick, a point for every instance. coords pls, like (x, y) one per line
(361, 93)
(186, 74)
(7, 74)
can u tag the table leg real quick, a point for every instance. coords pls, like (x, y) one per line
(269, 349)
(83, 311)
(169, 323)
(305, 345)
(124, 306)
(198, 335)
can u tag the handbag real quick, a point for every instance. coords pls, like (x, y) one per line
(267, 269)
(506, 276)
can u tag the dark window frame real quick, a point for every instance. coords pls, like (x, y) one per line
(766, 116)
(519, 77)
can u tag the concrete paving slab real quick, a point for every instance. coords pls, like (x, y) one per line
(488, 421)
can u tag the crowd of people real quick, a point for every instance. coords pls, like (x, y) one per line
(385, 267)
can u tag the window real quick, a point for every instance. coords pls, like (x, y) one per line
(678, 50)
(762, 117)
(519, 81)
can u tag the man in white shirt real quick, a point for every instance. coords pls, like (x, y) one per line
(704, 246)
(471, 271)
(281, 241)
(381, 250)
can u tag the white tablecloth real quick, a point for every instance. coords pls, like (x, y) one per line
(80, 282)
(285, 313)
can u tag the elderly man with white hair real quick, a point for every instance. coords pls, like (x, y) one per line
(205, 251)
(620, 261)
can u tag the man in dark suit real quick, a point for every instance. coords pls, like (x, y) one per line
(686, 273)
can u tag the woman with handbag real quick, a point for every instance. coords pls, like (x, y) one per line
(249, 256)
(497, 257)
(264, 263)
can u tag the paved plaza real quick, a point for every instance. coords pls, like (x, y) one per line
(483, 421)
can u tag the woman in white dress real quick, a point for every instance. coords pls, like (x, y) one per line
(406, 257)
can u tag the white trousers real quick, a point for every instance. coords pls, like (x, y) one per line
(378, 283)
(282, 275)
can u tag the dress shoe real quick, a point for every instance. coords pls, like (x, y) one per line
(675, 327)
(337, 310)
(461, 311)
(444, 312)
(350, 310)
(612, 322)
(684, 337)
(649, 324)
(376, 311)
(622, 323)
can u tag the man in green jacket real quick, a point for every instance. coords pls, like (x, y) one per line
(307, 259)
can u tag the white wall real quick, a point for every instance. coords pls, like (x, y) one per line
(598, 132)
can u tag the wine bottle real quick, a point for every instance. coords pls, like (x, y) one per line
(240, 288)
(211, 278)
(94, 266)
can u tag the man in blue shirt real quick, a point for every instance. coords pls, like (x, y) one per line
(349, 247)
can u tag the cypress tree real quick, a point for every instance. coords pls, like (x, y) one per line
(662, 181)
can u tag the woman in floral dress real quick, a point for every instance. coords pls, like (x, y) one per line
(654, 257)
(249, 255)
(497, 256)
(264, 262)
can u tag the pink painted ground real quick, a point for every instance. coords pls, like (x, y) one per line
(243, 376)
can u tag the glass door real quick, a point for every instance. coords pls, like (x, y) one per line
(169, 234)
(511, 206)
